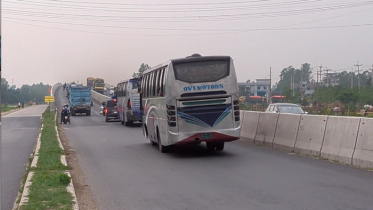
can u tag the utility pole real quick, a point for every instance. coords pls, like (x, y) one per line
(317, 88)
(270, 85)
(371, 77)
(327, 76)
(352, 79)
(358, 74)
(292, 84)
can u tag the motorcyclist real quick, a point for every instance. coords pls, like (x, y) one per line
(65, 112)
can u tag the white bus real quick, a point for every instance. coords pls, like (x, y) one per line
(191, 100)
(128, 101)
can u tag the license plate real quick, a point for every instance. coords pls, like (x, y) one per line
(115, 112)
(206, 135)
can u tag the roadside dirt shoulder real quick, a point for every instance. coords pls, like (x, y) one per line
(86, 200)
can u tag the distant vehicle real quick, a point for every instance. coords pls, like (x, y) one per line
(191, 100)
(128, 99)
(111, 91)
(90, 81)
(80, 100)
(285, 108)
(110, 110)
(98, 85)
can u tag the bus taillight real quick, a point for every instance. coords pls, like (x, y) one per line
(236, 109)
(171, 115)
(169, 107)
(129, 104)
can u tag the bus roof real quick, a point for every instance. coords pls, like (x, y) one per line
(189, 59)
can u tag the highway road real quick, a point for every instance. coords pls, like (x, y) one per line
(125, 172)
(18, 139)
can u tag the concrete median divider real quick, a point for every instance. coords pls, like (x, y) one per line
(99, 97)
(363, 155)
(286, 131)
(310, 134)
(249, 125)
(242, 115)
(340, 138)
(266, 128)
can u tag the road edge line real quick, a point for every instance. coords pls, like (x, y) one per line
(70, 188)
(28, 183)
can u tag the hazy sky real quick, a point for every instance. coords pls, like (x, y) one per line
(64, 40)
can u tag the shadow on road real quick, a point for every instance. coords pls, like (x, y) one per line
(194, 151)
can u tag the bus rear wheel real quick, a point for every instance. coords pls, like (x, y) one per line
(163, 149)
(219, 146)
(210, 146)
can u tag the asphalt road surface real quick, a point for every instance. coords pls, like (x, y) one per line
(19, 132)
(126, 172)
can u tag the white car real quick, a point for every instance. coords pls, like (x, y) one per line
(285, 108)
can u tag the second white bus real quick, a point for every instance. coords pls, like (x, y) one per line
(191, 100)
(128, 101)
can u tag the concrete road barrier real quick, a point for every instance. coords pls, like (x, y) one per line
(310, 134)
(242, 116)
(249, 125)
(286, 131)
(363, 155)
(340, 138)
(266, 128)
(99, 97)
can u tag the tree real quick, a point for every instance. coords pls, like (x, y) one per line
(143, 67)
(302, 74)
(26, 93)
(348, 96)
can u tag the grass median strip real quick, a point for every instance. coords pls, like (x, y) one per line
(48, 189)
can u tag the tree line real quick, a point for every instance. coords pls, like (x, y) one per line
(25, 94)
(352, 89)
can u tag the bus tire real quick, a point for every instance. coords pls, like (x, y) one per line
(162, 149)
(210, 146)
(219, 146)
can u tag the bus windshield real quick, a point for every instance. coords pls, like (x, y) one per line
(203, 71)
(99, 84)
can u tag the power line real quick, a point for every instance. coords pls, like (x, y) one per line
(125, 19)
(117, 9)
(163, 9)
(183, 29)
(168, 4)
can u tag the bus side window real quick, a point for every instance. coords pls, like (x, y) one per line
(125, 88)
(159, 93)
(150, 91)
(154, 87)
(146, 83)
(164, 81)
(161, 82)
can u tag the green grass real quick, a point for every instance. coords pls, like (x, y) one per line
(7, 108)
(48, 189)
(47, 192)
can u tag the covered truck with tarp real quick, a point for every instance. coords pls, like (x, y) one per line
(80, 99)
(90, 81)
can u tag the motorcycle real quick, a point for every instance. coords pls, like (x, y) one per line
(66, 119)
